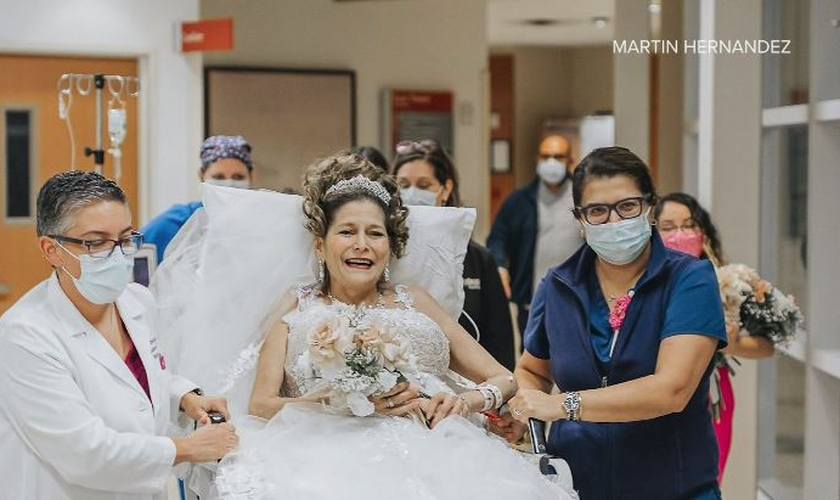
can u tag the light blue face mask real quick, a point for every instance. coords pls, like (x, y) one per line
(102, 280)
(417, 196)
(619, 242)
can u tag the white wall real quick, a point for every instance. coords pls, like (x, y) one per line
(432, 45)
(170, 103)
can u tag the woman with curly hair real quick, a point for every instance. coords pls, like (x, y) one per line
(420, 440)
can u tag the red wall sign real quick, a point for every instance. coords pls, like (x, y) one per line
(210, 34)
(416, 115)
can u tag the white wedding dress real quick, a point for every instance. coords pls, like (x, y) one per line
(312, 451)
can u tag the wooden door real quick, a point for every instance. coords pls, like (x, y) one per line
(30, 128)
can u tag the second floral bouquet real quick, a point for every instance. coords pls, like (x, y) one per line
(756, 305)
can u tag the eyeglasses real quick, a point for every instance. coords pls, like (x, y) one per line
(408, 147)
(103, 248)
(599, 213)
(688, 226)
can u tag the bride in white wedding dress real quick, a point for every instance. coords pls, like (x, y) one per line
(302, 441)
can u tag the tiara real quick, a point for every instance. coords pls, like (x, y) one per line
(360, 183)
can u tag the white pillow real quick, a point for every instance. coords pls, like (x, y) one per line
(218, 285)
(249, 225)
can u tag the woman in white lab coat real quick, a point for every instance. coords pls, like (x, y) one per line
(85, 394)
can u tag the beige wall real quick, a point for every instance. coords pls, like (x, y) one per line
(592, 80)
(540, 91)
(554, 83)
(433, 45)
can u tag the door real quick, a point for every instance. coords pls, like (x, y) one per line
(36, 144)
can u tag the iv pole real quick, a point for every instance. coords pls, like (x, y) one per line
(119, 87)
(98, 153)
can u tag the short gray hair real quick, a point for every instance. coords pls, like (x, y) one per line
(65, 193)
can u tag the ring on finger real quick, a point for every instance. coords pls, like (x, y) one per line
(517, 411)
(389, 403)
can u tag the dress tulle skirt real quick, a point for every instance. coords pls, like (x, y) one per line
(307, 452)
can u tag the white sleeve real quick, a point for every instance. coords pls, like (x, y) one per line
(178, 386)
(50, 412)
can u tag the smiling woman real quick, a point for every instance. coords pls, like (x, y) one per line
(376, 356)
(634, 393)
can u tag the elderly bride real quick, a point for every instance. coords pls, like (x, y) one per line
(349, 382)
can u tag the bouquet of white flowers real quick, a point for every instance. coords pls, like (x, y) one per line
(354, 360)
(756, 305)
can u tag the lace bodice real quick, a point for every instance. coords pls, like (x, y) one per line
(427, 341)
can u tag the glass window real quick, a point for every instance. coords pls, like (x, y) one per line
(790, 426)
(786, 23)
(18, 127)
(784, 210)
(784, 237)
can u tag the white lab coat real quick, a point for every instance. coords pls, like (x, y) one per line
(74, 422)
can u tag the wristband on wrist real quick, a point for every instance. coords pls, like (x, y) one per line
(489, 398)
(498, 399)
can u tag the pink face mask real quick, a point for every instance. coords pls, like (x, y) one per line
(690, 243)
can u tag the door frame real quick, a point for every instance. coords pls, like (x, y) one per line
(146, 66)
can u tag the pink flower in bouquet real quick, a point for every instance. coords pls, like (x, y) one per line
(736, 283)
(371, 338)
(396, 354)
(328, 341)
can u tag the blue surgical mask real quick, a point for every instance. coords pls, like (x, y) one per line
(234, 183)
(417, 196)
(619, 242)
(102, 280)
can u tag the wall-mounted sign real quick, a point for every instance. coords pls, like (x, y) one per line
(416, 115)
(207, 35)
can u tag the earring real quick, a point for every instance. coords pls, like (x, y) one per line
(386, 276)
(582, 234)
(321, 271)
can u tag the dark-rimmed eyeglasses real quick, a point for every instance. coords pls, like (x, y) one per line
(599, 213)
(103, 248)
(408, 147)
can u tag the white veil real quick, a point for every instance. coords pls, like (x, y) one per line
(224, 273)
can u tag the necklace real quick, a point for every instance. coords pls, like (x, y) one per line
(380, 301)
(357, 314)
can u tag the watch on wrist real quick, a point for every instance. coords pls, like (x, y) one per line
(572, 405)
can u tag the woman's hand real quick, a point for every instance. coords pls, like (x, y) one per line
(208, 443)
(442, 405)
(400, 400)
(532, 403)
(197, 407)
(746, 346)
(507, 427)
(733, 332)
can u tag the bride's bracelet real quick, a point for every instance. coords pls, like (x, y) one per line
(488, 397)
(498, 398)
